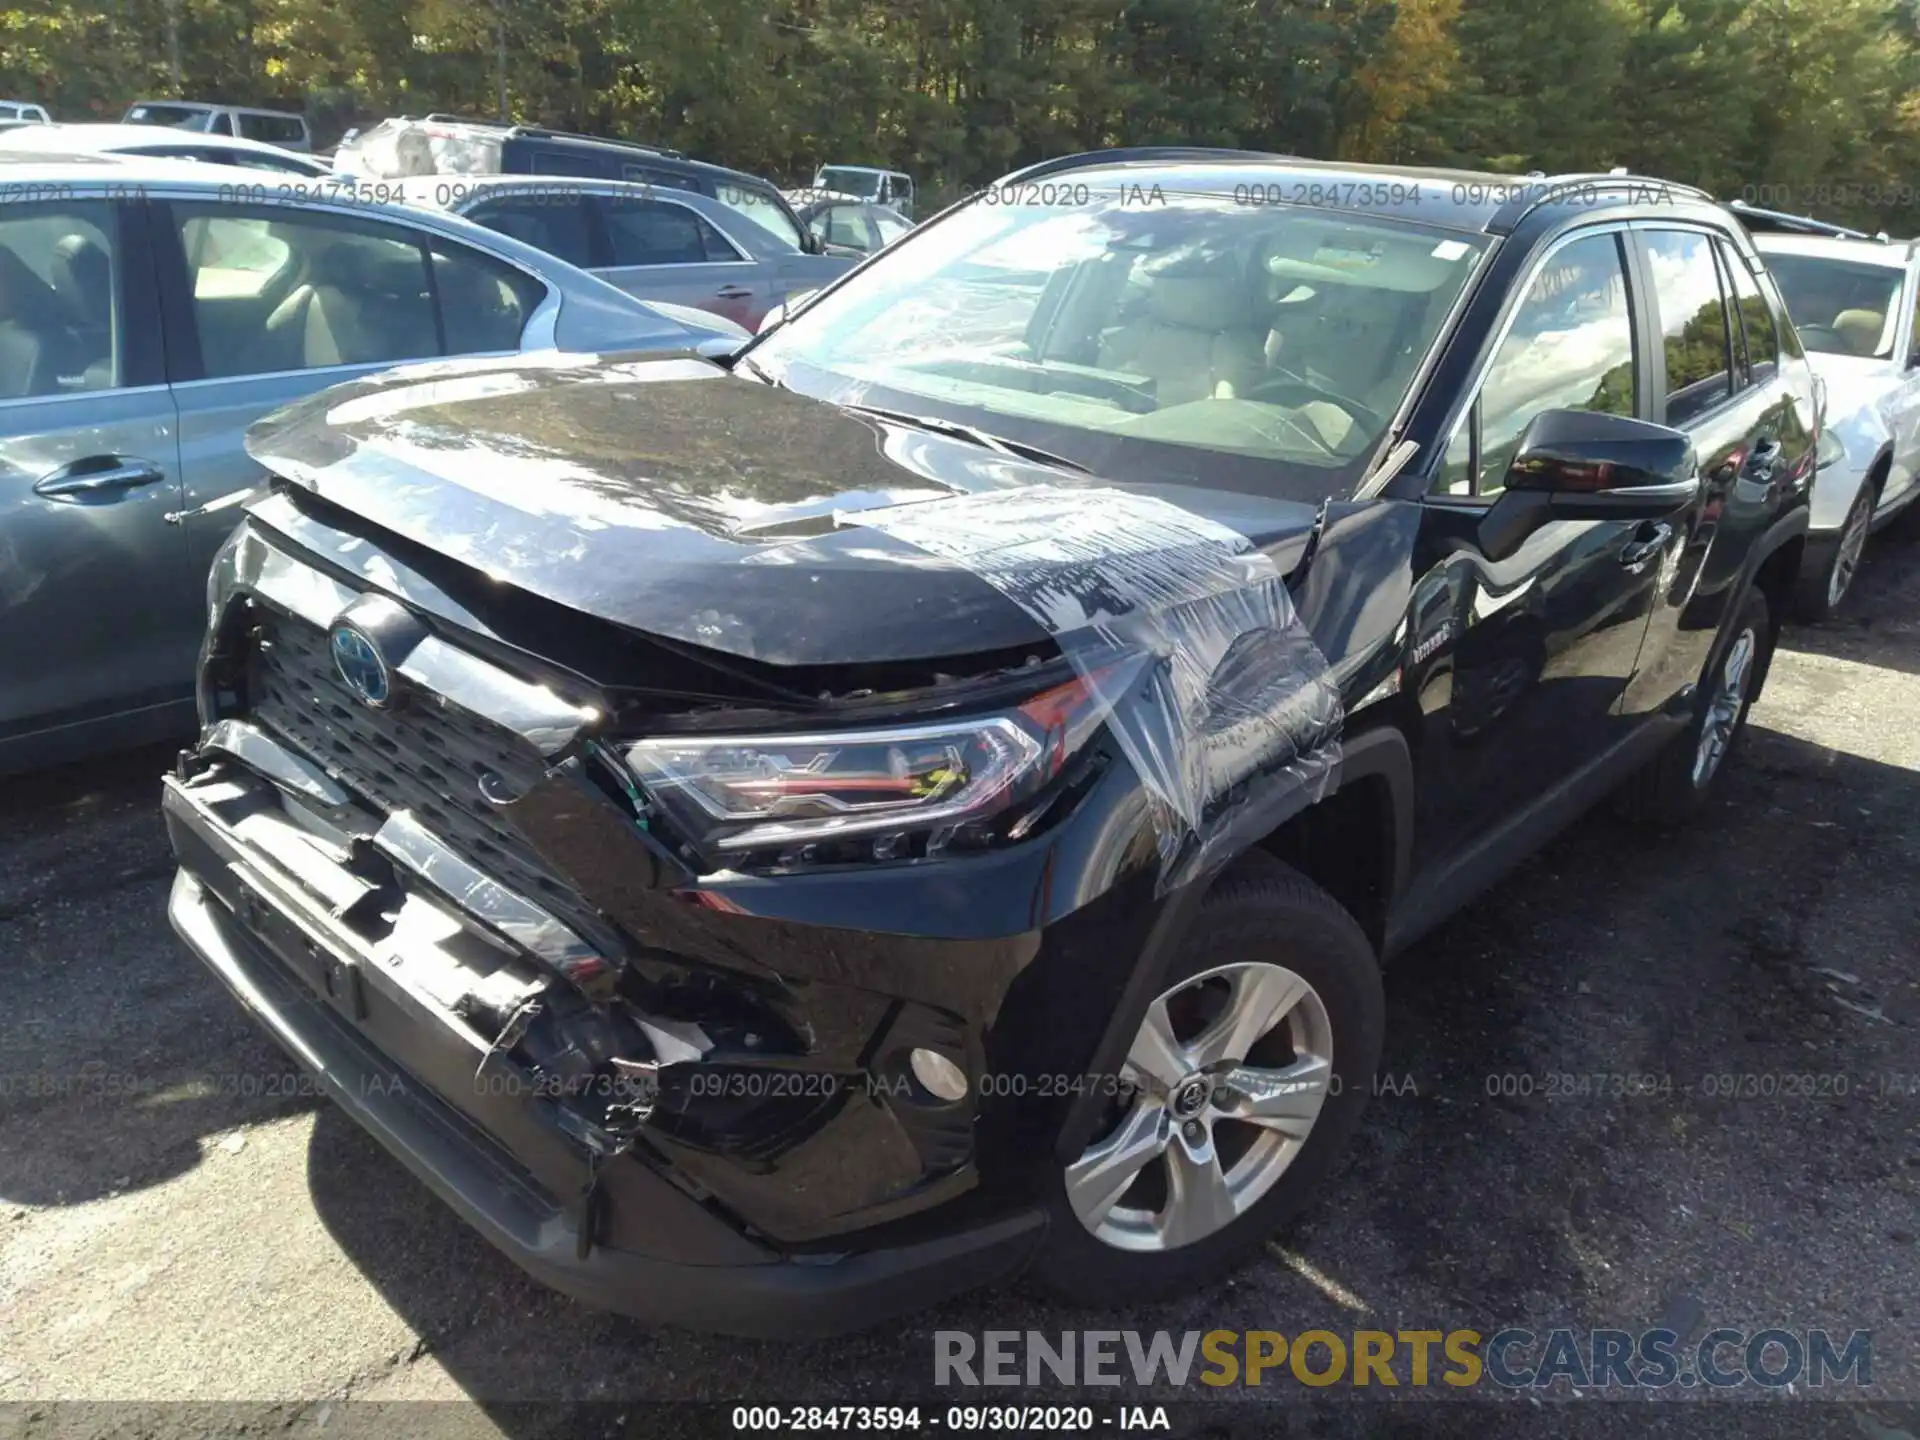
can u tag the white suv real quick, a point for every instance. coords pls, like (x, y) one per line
(1853, 299)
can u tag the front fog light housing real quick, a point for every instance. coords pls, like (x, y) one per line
(743, 792)
(940, 1077)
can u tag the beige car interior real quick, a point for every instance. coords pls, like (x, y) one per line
(1219, 334)
(56, 316)
(1861, 330)
(357, 305)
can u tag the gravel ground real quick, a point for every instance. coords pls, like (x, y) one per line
(180, 1220)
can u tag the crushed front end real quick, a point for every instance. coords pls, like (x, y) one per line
(674, 1075)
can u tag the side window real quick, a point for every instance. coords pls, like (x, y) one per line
(1570, 348)
(1756, 319)
(665, 179)
(1913, 341)
(551, 223)
(1693, 321)
(484, 303)
(567, 162)
(659, 232)
(1456, 466)
(845, 227)
(889, 228)
(276, 290)
(59, 311)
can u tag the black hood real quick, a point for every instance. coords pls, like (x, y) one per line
(669, 496)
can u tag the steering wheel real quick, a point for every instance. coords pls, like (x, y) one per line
(1295, 390)
(1829, 338)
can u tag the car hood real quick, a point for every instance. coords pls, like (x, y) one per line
(669, 496)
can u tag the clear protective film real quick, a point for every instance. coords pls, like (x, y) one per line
(1184, 633)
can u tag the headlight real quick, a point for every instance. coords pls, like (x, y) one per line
(742, 792)
(1829, 450)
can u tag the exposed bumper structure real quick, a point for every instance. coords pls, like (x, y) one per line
(614, 1232)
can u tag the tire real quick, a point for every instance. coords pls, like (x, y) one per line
(1817, 593)
(1672, 788)
(1262, 918)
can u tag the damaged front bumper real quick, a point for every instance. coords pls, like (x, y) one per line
(264, 899)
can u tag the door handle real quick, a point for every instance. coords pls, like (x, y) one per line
(734, 292)
(1647, 543)
(96, 475)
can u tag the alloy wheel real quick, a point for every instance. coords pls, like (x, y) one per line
(1723, 709)
(1853, 540)
(1226, 1076)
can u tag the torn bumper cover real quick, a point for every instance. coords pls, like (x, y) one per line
(684, 1091)
(620, 1236)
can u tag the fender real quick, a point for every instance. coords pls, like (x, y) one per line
(1380, 751)
(1784, 531)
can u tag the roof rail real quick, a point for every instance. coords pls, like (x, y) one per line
(440, 118)
(1620, 175)
(1134, 154)
(1759, 219)
(547, 132)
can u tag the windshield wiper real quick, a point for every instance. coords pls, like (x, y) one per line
(954, 429)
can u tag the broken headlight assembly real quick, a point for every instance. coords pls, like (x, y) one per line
(891, 792)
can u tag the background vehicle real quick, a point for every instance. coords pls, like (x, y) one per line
(659, 244)
(24, 112)
(882, 187)
(853, 227)
(275, 127)
(123, 401)
(1853, 301)
(894, 695)
(447, 145)
(163, 144)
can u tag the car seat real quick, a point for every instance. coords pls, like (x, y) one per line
(1197, 338)
(83, 280)
(1861, 329)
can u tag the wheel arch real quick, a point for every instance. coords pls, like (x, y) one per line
(1367, 820)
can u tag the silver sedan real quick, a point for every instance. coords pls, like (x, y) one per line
(150, 311)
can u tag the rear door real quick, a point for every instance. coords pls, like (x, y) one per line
(1723, 379)
(99, 610)
(659, 249)
(269, 303)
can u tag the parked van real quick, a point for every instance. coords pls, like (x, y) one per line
(276, 127)
(881, 187)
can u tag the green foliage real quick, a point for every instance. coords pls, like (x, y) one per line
(1804, 103)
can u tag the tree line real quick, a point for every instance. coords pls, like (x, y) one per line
(1810, 105)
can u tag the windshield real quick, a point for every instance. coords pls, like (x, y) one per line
(182, 117)
(1194, 338)
(864, 183)
(1840, 307)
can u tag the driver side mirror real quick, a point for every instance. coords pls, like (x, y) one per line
(1586, 465)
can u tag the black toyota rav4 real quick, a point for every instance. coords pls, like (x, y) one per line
(772, 843)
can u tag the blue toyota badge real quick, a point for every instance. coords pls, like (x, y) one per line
(360, 664)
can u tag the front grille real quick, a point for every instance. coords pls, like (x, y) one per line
(424, 755)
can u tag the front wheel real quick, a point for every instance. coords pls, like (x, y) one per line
(1245, 1077)
(1675, 784)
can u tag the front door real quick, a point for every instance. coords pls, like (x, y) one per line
(1534, 649)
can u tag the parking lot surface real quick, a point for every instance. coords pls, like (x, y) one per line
(182, 1220)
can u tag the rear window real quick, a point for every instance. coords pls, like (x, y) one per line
(763, 208)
